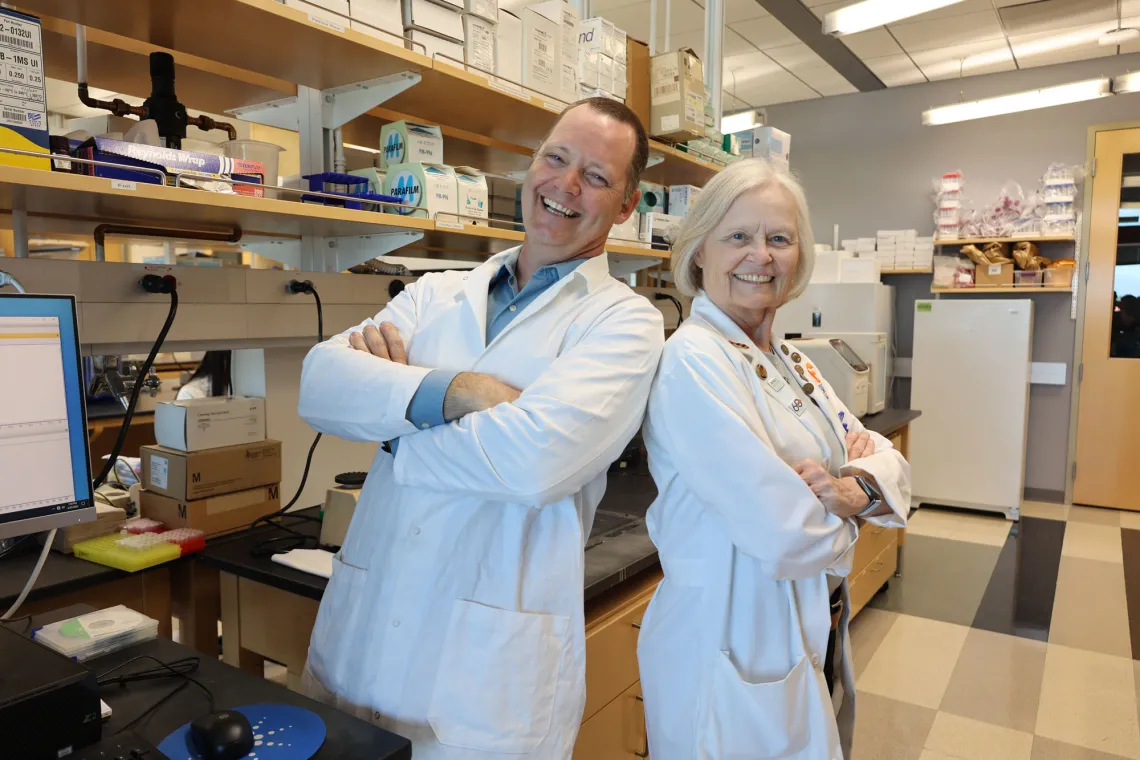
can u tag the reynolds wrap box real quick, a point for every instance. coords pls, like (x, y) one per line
(429, 188)
(23, 93)
(172, 161)
(406, 141)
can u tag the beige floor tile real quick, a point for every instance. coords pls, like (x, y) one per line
(1047, 749)
(973, 740)
(1094, 515)
(915, 661)
(997, 680)
(1090, 607)
(1130, 520)
(1045, 509)
(1089, 699)
(889, 730)
(1099, 542)
(959, 526)
(868, 630)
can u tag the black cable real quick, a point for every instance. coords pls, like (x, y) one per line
(154, 284)
(178, 668)
(668, 297)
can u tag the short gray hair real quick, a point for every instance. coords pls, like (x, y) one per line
(713, 203)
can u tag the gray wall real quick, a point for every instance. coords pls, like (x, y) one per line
(867, 164)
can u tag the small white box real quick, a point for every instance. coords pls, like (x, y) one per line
(541, 70)
(472, 186)
(619, 79)
(508, 50)
(563, 13)
(436, 45)
(209, 423)
(768, 143)
(488, 9)
(828, 267)
(385, 15)
(588, 69)
(858, 270)
(682, 198)
(436, 19)
(618, 45)
(601, 36)
(431, 189)
(657, 227)
(606, 73)
(479, 43)
(629, 230)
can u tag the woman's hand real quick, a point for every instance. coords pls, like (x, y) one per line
(840, 496)
(859, 445)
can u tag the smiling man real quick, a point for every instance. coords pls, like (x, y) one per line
(454, 614)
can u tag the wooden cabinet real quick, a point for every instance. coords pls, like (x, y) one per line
(617, 731)
(867, 581)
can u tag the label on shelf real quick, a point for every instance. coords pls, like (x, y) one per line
(326, 23)
(556, 107)
(122, 184)
(518, 93)
(449, 225)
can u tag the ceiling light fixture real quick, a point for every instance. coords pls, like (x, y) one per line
(1074, 92)
(732, 123)
(872, 13)
(1126, 83)
(1119, 36)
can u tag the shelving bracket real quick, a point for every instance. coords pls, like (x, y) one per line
(622, 264)
(319, 254)
(654, 159)
(339, 105)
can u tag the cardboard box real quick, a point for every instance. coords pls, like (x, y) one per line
(473, 199)
(654, 197)
(379, 14)
(23, 119)
(993, 275)
(213, 472)
(209, 423)
(479, 44)
(566, 16)
(215, 515)
(488, 9)
(430, 188)
(768, 143)
(677, 101)
(541, 38)
(682, 198)
(442, 49)
(403, 142)
(637, 79)
(442, 21)
(508, 51)
(588, 69)
(502, 187)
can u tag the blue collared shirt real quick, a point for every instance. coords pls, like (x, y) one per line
(504, 303)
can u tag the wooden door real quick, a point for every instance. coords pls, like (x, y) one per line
(1108, 443)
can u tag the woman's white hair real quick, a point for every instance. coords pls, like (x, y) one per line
(713, 203)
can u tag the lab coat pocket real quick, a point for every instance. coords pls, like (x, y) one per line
(750, 721)
(498, 676)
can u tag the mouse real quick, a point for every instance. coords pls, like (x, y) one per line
(221, 735)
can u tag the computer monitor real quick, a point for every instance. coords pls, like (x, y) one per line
(45, 472)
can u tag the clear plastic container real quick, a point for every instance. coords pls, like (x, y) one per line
(256, 150)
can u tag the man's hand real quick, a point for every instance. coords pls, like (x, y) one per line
(472, 392)
(385, 343)
(859, 445)
(840, 496)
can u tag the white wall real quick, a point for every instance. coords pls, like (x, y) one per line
(867, 163)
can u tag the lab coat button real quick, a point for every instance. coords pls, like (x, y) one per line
(415, 531)
(815, 660)
(395, 623)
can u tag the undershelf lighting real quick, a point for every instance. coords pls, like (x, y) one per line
(1126, 83)
(730, 124)
(1074, 92)
(872, 13)
(362, 148)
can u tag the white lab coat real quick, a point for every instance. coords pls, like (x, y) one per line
(731, 646)
(454, 613)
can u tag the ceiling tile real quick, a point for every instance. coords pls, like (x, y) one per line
(742, 10)
(1074, 44)
(823, 7)
(1068, 55)
(778, 87)
(895, 70)
(765, 33)
(1134, 46)
(1056, 15)
(972, 59)
(873, 43)
(1130, 8)
(634, 19)
(601, 7)
(794, 57)
(947, 32)
(734, 44)
(826, 80)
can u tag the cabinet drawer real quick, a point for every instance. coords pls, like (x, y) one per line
(867, 583)
(611, 654)
(617, 732)
(872, 540)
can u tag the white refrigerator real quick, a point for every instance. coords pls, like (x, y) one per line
(970, 380)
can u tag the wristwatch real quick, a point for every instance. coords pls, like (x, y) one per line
(872, 492)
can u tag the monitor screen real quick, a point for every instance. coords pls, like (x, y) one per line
(45, 474)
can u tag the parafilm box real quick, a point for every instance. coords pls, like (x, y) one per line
(23, 92)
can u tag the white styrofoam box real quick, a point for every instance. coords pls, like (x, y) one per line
(436, 45)
(618, 45)
(828, 266)
(394, 36)
(322, 14)
(619, 79)
(588, 69)
(598, 35)
(488, 9)
(479, 42)
(629, 230)
(563, 13)
(436, 19)
(385, 15)
(858, 270)
(865, 241)
(606, 73)
(508, 50)
(541, 38)
(848, 245)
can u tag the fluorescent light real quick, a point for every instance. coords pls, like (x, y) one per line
(872, 13)
(732, 123)
(1119, 36)
(361, 148)
(1126, 83)
(1075, 92)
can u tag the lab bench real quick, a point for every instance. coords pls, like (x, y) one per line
(346, 737)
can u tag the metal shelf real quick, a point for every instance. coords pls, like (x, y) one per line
(1024, 289)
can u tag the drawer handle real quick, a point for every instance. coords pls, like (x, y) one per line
(646, 752)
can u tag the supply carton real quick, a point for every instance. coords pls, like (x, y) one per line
(473, 199)
(198, 474)
(440, 20)
(488, 9)
(628, 231)
(563, 13)
(657, 227)
(605, 73)
(171, 161)
(407, 141)
(601, 36)
(618, 84)
(508, 52)
(542, 70)
(429, 188)
(214, 515)
(209, 423)
(677, 102)
(767, 143)
(379, 14)
(23, 117)
(479, 44)
(588, 69)
(654, 197)
(682, 198)
(375, 178)
(993, 275)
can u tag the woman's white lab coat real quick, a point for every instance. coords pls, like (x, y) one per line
(731, 648)
(454, 613)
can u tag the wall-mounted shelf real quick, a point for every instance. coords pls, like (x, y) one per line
(905, 271)
(1023, 289)
(1028, 239)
